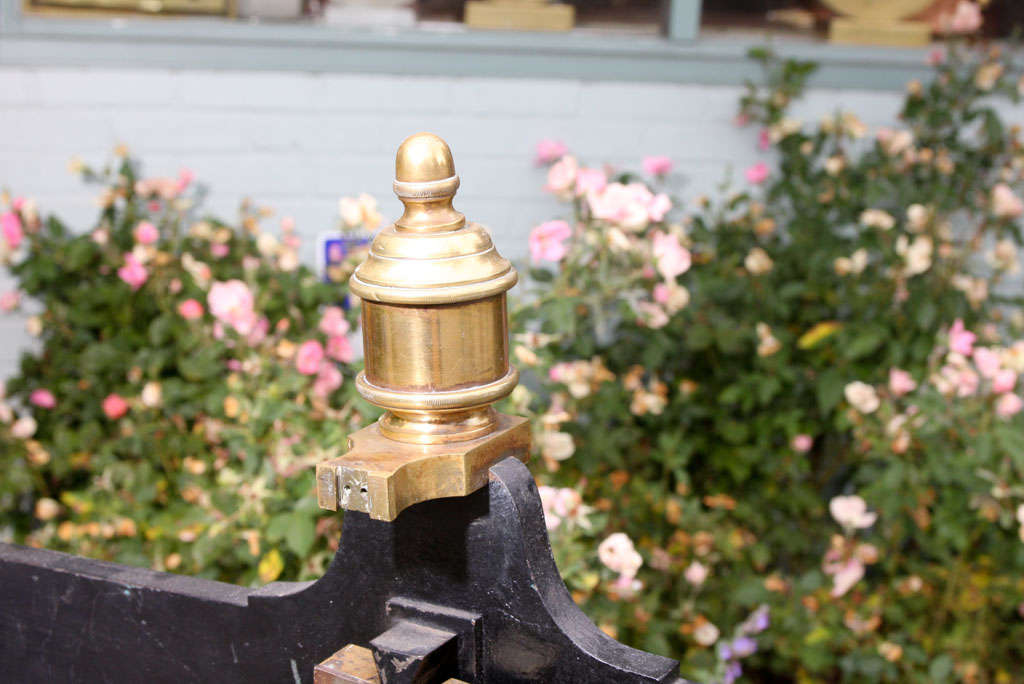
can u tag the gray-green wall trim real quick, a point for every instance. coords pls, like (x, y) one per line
(223, 44)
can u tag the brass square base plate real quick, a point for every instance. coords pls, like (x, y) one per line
(897, 33)
(382, 477)
(519, 16)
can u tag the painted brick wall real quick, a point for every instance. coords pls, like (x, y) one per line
(298, 142)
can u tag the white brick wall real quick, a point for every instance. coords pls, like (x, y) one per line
(299, 141)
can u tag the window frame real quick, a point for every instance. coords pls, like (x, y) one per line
(217, 43)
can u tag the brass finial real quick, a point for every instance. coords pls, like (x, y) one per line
(435, 334)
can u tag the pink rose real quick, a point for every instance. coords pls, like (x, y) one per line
(231, 302)
(967, 382)
(133, 272)
(1008, 405)
(936, 57)
(43, 398)
(966, 18)
(549, 150)
(851, 512)
(629, 206)
(757, 173)
(114, 406)
(802, 443)
(1004, 381)
(657, 166)
(339, 348)
(562, 176)
(1005, 204)
(672, 258)
(10, 224)
(651, 315)
(764, 139)
(185, 178)
(219, 250)
(696, 573)
(10, 300)
(547, 241)
(845, 573)
(309, 356)
(961, 340)
(328, 379)
(659, 205)
(661, 293)
(190, 309)
(987, 361)
(165, 188)
(333, 322)
(258, 332)
(146, 233)
(900, 382)
(590, 180)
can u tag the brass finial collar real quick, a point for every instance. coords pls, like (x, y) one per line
(430, 255)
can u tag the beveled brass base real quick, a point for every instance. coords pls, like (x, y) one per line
(378, 478)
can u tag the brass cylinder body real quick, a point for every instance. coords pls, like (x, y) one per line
(436, 348)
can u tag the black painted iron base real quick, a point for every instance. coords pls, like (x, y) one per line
(482, 561)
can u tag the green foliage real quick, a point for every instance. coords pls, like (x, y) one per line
(210, 469)
(708, 410)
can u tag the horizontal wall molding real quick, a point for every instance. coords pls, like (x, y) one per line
(221, 44)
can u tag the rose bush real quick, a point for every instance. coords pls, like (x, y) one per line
(778, 433)
(188, 374)
(706, 376)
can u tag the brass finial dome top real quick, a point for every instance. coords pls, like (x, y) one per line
(430, 255)
(423, 157)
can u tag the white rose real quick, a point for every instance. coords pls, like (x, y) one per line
(1004, 256)
(706, 634)
(152, 394)
(557, 446)
(876, 218)
(862, 396)
(917, 217)
(757, 262)
(834, 165)
(34, 326)
(267, 244)
(619, 555)
(24, 427)
(696, 573)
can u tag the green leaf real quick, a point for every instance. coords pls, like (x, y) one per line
(301, 533)
(79, 253)
(865, 342)
(830, 390)
(941, 668)
(160, 329)
(1011, 440)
